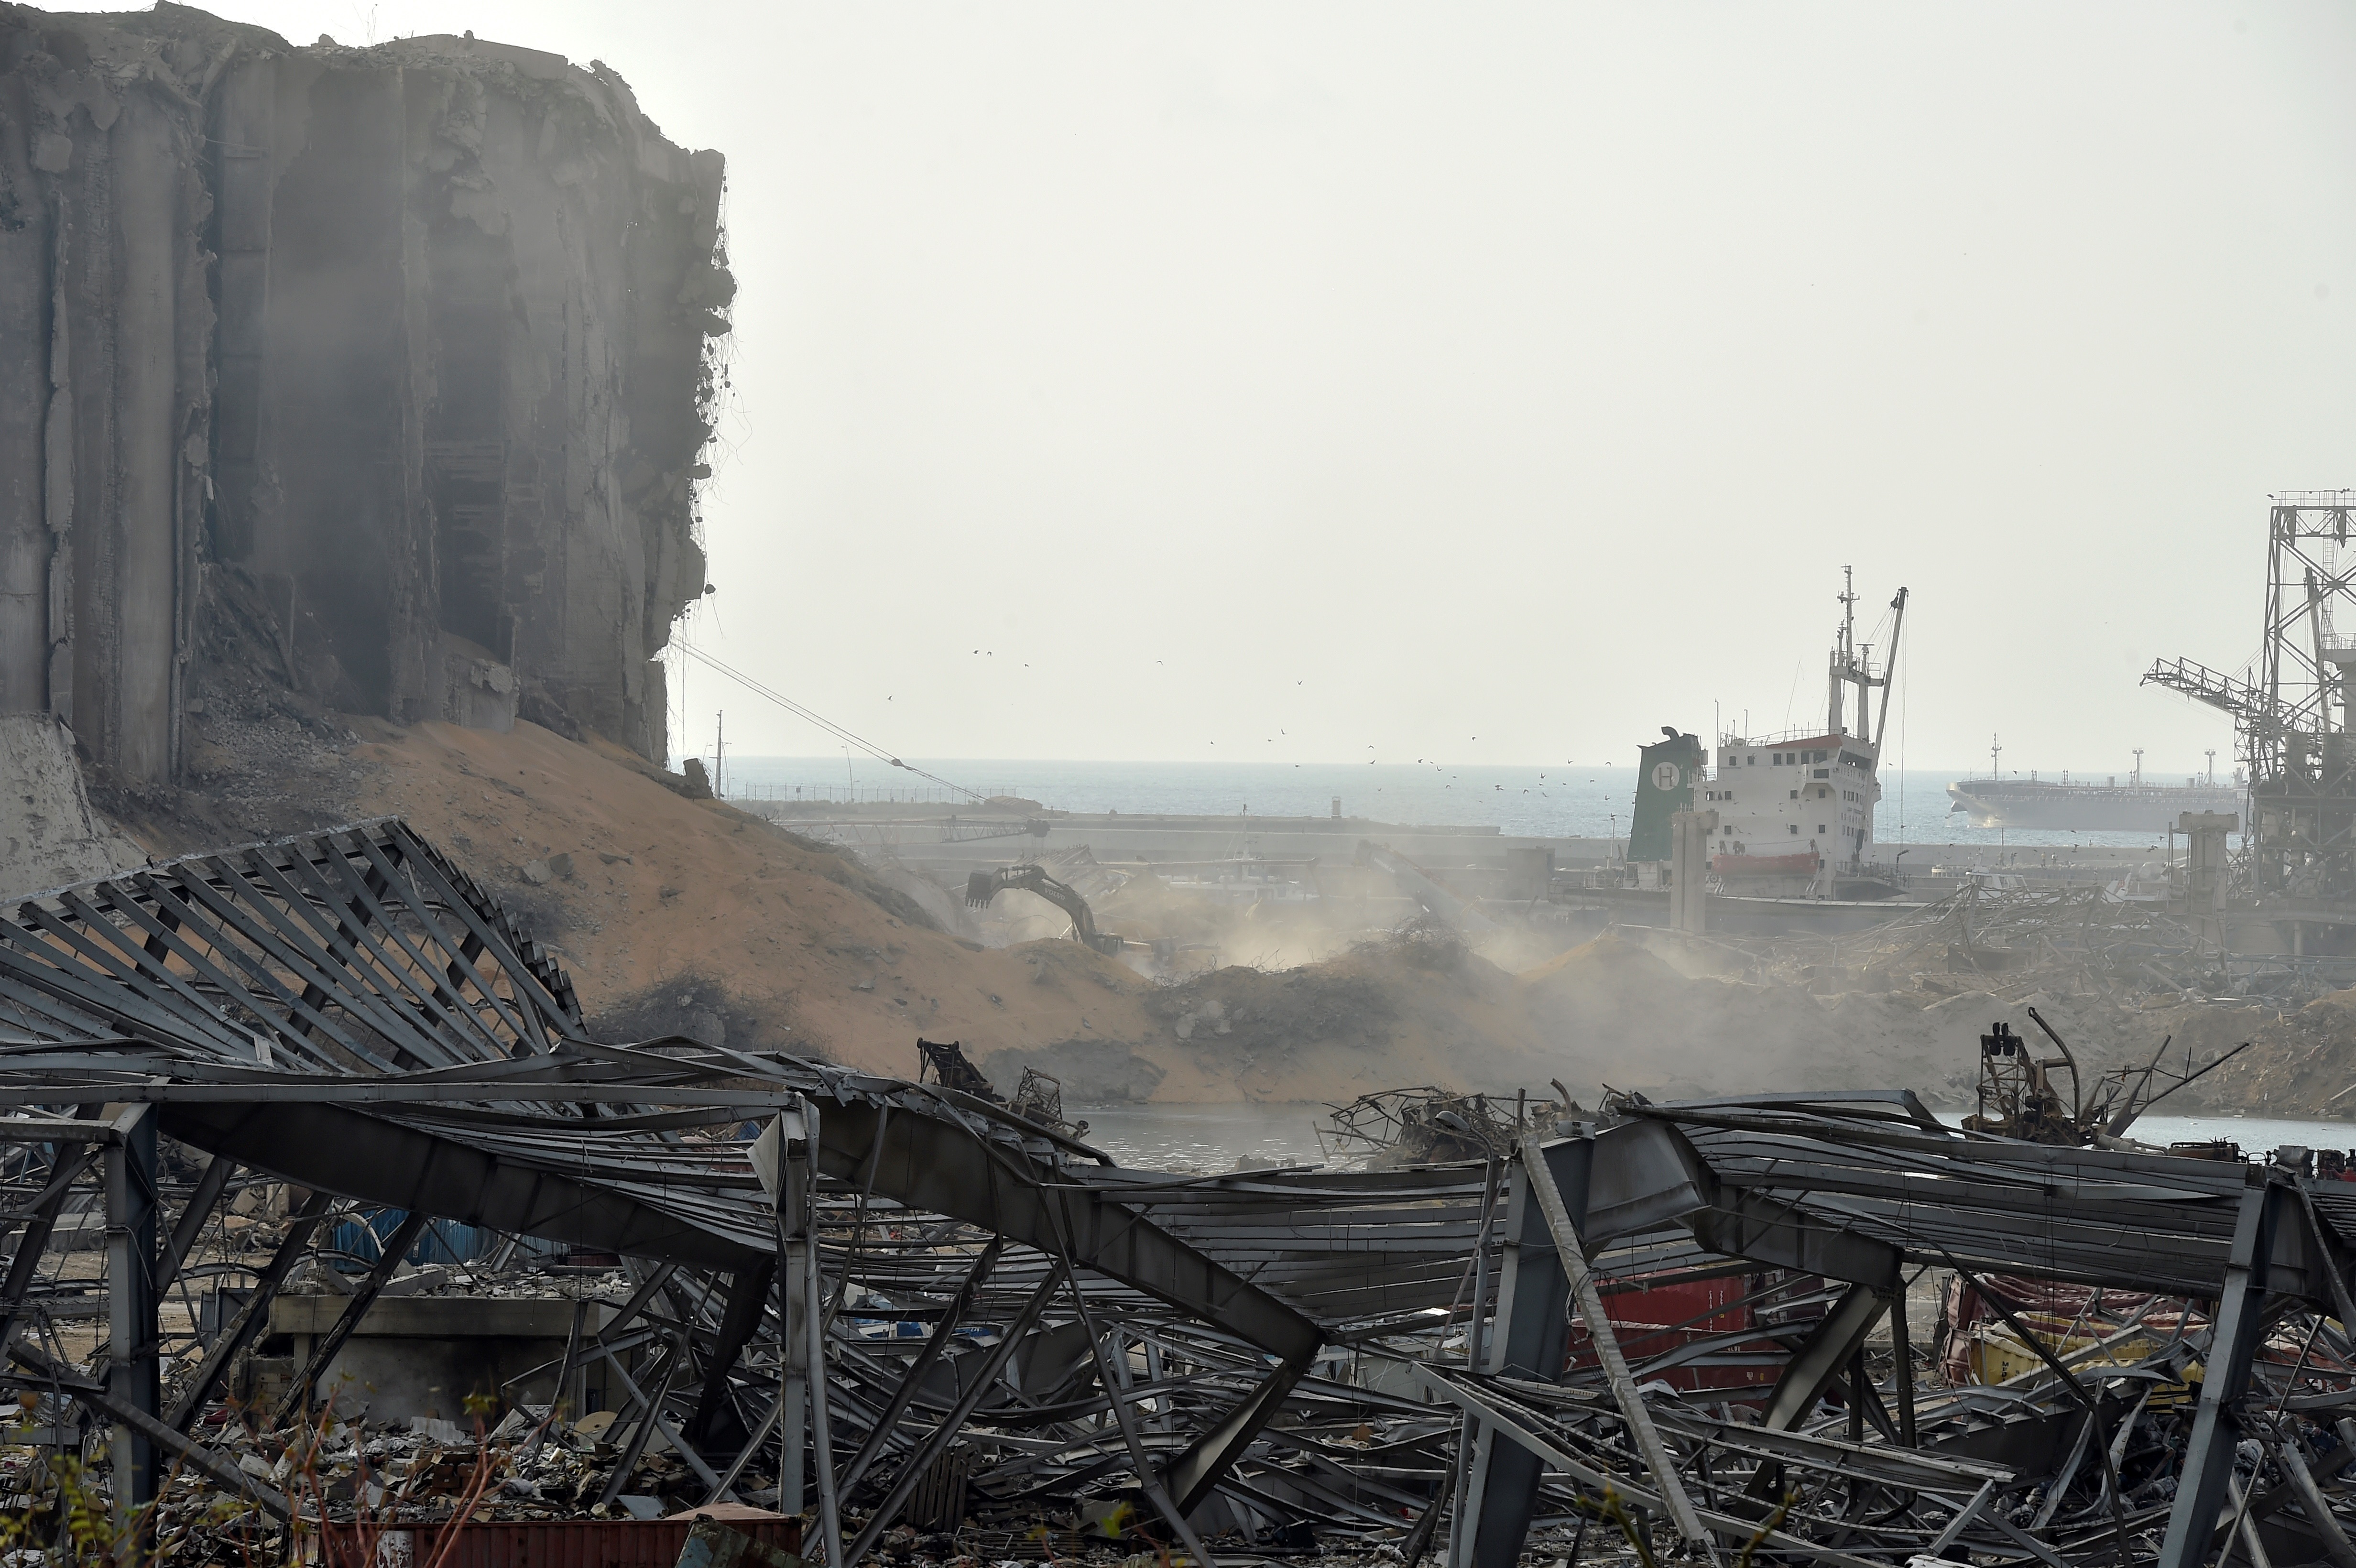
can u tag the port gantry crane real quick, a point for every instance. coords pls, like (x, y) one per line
(2291, 711)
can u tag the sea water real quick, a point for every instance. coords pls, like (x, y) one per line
(1542, 801)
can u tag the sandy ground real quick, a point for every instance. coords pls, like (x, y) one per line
(676, 915)
(662, 886)
(794, 946)
(680, 916)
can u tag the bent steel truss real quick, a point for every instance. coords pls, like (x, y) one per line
(898, 1266)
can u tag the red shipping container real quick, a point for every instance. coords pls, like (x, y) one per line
(1652, 1320)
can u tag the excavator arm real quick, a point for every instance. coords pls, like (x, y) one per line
(980, 887)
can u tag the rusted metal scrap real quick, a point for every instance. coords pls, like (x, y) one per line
(938, 1325)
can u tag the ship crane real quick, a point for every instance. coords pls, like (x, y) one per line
(1853, 666)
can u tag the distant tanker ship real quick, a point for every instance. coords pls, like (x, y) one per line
(2137, 806)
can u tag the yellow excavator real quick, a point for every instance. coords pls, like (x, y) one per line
(980, 887)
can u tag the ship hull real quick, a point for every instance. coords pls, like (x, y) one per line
(2083, 808)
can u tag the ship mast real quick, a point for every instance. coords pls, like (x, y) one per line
(1853, 666)
(1844, 669)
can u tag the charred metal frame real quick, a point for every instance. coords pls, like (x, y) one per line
(347, 1012)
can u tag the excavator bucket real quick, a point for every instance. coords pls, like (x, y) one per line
(980, 887)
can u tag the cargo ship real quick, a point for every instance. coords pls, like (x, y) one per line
(2139, 806)
(1794, 811)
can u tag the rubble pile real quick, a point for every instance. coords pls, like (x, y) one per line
(2079, 939)
(1428, 1124)
(429, 1262)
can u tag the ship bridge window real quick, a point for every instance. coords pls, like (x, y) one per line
(1820, 827)
(1795, 827)
(1824, 772)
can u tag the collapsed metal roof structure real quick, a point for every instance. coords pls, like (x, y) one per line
(350, 1013)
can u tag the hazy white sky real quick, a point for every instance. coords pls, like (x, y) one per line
(1495, 382)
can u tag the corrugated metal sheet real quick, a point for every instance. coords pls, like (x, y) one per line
(546, 1544)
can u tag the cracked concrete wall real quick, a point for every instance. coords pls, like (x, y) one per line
(422, 337)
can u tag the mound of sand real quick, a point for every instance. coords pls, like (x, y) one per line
(1612, 1011)
(634, 886)
(1417, 1009)
(678, 914)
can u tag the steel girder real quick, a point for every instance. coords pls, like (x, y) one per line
(946, 1166)
(372, 1159)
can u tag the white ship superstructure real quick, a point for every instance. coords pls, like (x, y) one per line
(1795, 811)
(1793, 806)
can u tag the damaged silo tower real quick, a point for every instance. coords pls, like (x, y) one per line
(417, 340)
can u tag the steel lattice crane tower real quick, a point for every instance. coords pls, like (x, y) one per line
(2292, 708)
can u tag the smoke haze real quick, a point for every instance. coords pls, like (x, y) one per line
(1324, 382)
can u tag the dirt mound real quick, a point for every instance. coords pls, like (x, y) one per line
(1256, 1010)
(1606, 961)
(2299, 1065)
(649, 898)
(1416, 1007)
(701, 1007)
(1091, 1072)
(1612, 1011)
(682, 915)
